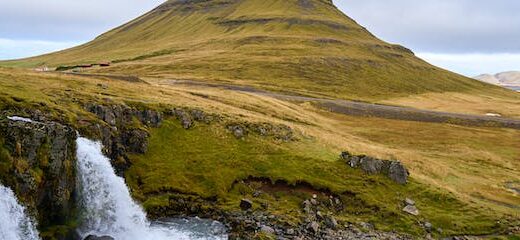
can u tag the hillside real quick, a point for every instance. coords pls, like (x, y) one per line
(260, 114)
(304, 46)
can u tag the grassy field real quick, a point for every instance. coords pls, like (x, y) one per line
(459, 174)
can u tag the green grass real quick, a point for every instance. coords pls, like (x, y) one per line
(206, 161)
(449, 164)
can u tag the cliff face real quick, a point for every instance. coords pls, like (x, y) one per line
(37, 160)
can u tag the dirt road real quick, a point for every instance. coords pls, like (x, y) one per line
(372, 110)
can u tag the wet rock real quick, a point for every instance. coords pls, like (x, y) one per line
(246, 204)
(92, 237)
(50, 148)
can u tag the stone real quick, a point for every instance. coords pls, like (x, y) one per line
(409, 201)
(237, 130)
(307, 206)
(371, 165)
(246, 204)
(366, 226)
(92, 237)
(411, 209)
(314, 226)
(398, 173)
(394, 170)
(319, 215)
(290, 231)
(267, 230)
(428, 227)
(331, 222)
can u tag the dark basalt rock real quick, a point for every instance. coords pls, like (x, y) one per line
(392, 169)
(92, 237)
(246, 204)
(121, 135)
(40, 158)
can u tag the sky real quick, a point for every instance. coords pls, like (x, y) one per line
(465, 36)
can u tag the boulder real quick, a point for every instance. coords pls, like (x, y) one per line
(411, 209)
(398, 173)
(246, 204)
(371, 165)
(394, 170)
(92, 237)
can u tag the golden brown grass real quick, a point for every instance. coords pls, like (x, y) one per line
(474, 163)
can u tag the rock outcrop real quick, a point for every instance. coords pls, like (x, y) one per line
(394, 170)
(276, 131)
(37, 160)
(124, 131)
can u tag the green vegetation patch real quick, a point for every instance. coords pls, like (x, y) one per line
(209, 162)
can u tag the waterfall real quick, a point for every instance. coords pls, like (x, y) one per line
(108, 209)
(15, 224)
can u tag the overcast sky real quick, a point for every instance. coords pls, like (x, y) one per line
(466, 36)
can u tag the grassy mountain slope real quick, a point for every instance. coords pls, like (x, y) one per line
(304, 46)
(462, 180)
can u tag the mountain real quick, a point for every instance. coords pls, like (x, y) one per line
(507, 79)
(201, 111)
(304, 46)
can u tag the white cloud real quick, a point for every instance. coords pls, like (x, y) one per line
(474, 64)
(447, 26)
(12, 49)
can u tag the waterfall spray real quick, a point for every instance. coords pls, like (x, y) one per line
(15, 223)
(108, 208)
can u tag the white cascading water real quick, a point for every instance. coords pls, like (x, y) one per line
(15, 224)
(109, 210)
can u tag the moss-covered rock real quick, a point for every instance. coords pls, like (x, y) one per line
(37, 162)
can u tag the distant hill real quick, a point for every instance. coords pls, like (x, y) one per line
(505, 79)
(304, 46)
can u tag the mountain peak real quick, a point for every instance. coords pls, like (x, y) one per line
(306, 46)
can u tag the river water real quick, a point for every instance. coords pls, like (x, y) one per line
(109, 210)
